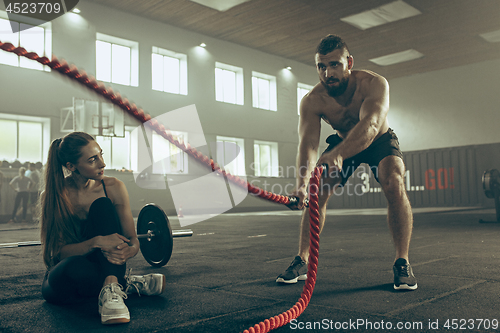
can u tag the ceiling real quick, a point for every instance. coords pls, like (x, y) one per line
(447, 31)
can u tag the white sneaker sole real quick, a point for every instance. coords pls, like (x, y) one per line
(405, 287)
(302, 277)
(115, 318)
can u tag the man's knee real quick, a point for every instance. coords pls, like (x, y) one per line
(394, 186)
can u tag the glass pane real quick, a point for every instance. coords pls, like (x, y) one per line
(219, 85)
(33, 40)
(120, 64)
(8, 140)
(7, 36)
(103, 61)
(172, 75)
(264, 94)
(121, 152)
(157, 74)
(229, 79)
(301, 92)
(161, 153)
(134, 150)
(255, 92)
(265, 160)
(105, 143)
(30, 142)
(256, 159)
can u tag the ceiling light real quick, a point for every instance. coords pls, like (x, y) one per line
(492, 36)
(220, 5)
(396, 58)
(394, 11)
(289, 68)
(76, 10)
(203, 45)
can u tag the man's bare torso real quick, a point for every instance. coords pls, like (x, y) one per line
(342, 112)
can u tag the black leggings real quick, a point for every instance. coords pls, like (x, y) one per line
(24, 196)
(79, 277)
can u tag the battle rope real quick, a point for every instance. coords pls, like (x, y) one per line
(299, 307)
(80, 76)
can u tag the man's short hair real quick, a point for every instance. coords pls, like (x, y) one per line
(330, 43)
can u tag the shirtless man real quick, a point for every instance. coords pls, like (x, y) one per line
(355, 103)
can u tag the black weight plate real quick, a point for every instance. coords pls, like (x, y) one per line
(158, 250)
(491, 178)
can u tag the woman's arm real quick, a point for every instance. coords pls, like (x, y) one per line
(105, 243)
(119, 196)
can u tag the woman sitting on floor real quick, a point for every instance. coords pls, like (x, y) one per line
(87, 231)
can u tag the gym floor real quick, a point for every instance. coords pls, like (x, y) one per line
(222, 278)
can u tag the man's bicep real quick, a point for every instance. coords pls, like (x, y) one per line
(309, 126)
(376, 104)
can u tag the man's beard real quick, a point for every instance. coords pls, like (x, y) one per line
(336, 91)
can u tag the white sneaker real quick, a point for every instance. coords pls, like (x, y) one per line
(111, 306)
(151, 284)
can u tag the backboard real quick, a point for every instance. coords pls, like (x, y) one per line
(93, 117)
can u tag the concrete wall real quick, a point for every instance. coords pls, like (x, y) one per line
(447, 108)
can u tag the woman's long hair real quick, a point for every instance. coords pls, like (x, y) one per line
(58, 226)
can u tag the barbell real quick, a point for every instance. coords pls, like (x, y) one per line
(491, 187)
(491, 182)
(155, 235)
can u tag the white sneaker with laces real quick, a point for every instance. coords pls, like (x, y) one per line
(111, 306)
(150, 284)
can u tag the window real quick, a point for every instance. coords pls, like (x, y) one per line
(264, 91)
(33, 38)
(228, 84)
(24, 138)
(169, 71)
(231, 155)
(117, 151)
(167, 157)
(302, 90)
(117, 60)
(265, 159)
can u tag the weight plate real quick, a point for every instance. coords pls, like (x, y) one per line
(158, 249)
(491, 179)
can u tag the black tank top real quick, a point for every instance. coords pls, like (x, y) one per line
(104, 188)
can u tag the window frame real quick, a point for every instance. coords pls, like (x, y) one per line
(274, 159)
(300, 88)
(47, 52)
(134, 58)
(272, 92)
(44, 140)
(183, 70)
(240, 158)
(239, 97)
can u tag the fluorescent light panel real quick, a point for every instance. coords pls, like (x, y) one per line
(492, 36)
(220, 5)
(396, 58)
(394, 11)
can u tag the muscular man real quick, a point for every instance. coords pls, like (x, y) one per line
(355, 103)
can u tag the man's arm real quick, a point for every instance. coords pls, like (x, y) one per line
(372, 117)
(309, 134)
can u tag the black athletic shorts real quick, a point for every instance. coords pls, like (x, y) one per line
(385, 145)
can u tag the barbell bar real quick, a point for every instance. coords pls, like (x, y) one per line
(153, 231)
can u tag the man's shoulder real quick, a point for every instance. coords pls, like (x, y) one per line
(317, 93)
(365, 76)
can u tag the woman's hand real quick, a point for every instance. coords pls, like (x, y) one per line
(116, 248)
